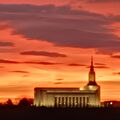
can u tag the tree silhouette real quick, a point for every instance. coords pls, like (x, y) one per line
(25, 102)
(9, 102)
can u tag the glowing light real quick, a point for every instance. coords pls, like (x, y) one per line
(82, 88)
(111, 103)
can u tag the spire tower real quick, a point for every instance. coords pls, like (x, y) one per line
(92, 77)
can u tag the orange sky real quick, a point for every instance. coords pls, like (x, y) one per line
(50, 44)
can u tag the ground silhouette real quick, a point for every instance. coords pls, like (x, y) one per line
(42, 113)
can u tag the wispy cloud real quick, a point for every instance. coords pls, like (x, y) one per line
(115, 56)
(9, 61)
(42, 63)
(116, 73)
(20, 71)
(100, 66)
(43, 53)
(59, 79)
(6, 44)
(3, 61)
(75, 64)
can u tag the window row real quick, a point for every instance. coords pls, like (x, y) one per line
(71, 101)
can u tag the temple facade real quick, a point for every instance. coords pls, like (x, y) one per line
(87, 96)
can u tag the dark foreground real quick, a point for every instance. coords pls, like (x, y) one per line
(32, 113)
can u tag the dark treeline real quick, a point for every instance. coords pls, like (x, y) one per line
(25, 110)
(42, 113)
(22, 102)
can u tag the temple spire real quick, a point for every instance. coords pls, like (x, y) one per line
(92, 79)
(91, 60)
(92, 66)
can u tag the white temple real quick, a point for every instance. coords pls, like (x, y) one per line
(88, 96)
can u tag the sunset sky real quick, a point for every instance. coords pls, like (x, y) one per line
(50, 43)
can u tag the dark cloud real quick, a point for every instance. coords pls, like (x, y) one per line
(43, 53)
(59, 79)
(41, 9)
(62, 26)
(15, 8)
(9, 61)
(116, 73)
(42, 63)
(75, 64)
(57, 83)
(115, 56)
(100, 64)
(100, 67)
(101, 1)
(6, 44)
(20, 71)
(27, 62)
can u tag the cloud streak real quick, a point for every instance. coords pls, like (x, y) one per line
(3, 61)
(6, 44)
(20, 71)
(116, 73)
(75, 65)
(43, 53)
(9, 61)
(100, 66)
(42, 63)
(115, 56)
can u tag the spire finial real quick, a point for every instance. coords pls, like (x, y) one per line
(91, 60)
(91, 66)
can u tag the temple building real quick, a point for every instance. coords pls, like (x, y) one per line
(87, 96)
